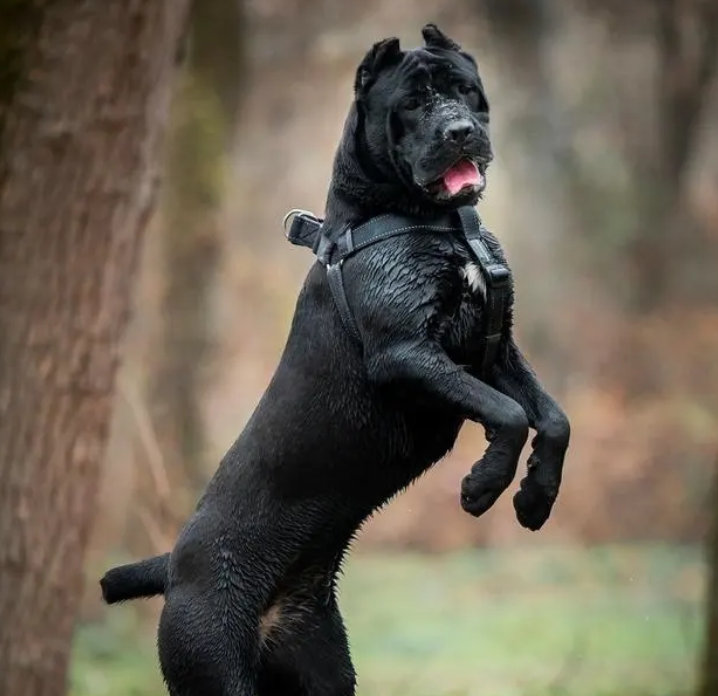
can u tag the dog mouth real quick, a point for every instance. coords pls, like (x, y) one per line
(464, 176)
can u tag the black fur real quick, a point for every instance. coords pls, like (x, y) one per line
(250, 585)
(143, 579)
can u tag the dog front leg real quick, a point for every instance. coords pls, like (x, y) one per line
(433, 372)
(513, 376)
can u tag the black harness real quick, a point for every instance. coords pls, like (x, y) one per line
(306, 230)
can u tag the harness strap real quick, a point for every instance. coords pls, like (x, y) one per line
(383, 227)
(306, 230)
(336, 285)
(497, 279)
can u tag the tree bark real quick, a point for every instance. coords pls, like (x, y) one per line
(82, 107)
(709, 672)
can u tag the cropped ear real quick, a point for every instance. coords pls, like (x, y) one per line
(435, 38)
(380, 56)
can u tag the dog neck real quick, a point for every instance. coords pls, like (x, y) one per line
(363, 188)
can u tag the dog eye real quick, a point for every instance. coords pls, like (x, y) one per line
(465, 88)
(411, 104)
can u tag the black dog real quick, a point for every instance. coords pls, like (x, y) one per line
(344, 424)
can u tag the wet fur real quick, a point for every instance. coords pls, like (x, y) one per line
(250, 603)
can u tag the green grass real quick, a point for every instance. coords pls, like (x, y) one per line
(535, 621)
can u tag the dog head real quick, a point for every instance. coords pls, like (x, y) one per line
(423, 119)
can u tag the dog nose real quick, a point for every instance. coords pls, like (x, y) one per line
(459, 131)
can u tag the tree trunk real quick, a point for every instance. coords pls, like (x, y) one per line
(84, 90)
(709, 672)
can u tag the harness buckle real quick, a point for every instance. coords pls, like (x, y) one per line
(498, 275)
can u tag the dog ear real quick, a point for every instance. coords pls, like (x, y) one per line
(435, 38)
(380, 56)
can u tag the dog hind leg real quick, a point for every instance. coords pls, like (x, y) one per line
(203, 652)
(306, 652)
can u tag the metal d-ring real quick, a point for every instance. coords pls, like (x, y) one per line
(292, 213)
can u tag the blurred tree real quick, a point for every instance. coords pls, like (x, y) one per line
(522, 33)
(665, 258)
(545, 168)
(709, 673)
(684, 36)
(84, 91)
(630, 207)
(686, 40)
(203, 127)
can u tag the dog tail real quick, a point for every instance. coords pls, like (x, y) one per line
(146, 578)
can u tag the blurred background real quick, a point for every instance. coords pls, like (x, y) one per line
(603, 191)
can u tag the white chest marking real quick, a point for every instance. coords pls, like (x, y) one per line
(474, 278)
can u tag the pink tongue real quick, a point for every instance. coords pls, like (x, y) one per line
(463, 173)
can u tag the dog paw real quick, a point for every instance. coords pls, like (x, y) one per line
(479, 493)
(533, 502)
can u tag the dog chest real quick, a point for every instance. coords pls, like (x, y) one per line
(473, 279)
